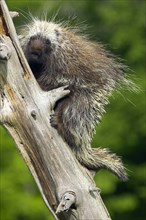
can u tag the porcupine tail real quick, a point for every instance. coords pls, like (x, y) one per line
(101, 158)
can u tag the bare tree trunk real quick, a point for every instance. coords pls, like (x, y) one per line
(67, 188)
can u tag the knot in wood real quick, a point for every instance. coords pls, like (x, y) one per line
(5, 52)
(33, 114)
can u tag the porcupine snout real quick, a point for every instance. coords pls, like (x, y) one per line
(35, 49)
(37, 52)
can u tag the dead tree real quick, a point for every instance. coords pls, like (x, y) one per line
(67, 188)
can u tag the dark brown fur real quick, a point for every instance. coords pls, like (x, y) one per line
(57, 57)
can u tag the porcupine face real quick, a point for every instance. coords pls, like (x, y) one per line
(38, 49)
(40, 44)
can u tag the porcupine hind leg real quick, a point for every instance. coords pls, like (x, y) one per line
(73, 127)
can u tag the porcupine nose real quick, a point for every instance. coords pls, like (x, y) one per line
(35, 48)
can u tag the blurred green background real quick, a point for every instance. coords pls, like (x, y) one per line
(120, 25)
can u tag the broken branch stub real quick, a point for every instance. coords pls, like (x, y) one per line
(4, 51)
(67, 200)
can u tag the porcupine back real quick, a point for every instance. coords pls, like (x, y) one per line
(91, 74)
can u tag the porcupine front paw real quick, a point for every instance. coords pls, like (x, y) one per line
(53, 121)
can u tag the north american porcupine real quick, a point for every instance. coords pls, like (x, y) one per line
(58, 56)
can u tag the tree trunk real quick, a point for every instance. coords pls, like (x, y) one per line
(67, 188)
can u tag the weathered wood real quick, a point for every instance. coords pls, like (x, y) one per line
(25, 112)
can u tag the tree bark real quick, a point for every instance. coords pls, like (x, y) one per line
(67, 188)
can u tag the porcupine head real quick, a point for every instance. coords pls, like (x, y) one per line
(59, 56)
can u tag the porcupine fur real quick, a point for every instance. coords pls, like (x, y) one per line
(59, 56)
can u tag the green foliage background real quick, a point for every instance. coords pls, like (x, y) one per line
(120, 25)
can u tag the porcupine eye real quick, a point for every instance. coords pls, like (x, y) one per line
(48, 42)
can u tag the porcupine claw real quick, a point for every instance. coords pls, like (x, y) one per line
(53, 121)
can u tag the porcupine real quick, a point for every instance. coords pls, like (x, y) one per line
(59, 56)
